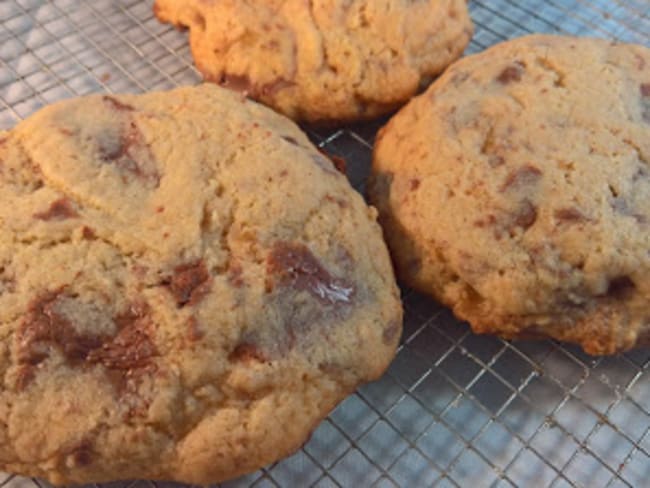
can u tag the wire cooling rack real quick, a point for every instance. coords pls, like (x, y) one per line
(454, 409)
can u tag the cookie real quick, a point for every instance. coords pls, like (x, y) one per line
(187, 287)
(516, 190)
(323, 61)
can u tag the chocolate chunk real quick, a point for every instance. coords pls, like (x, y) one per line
(645, 90)
(132, 348)
(243, 84)
(414, 184)
(570, 214)
(26, 374)
(189, 283)
(130, 154)
(621, 287)
(194, 332)
(643, 339)
(7, 280)
(60, 209)
(82, 454)
(129, 353)
(511, 73)
(246, 352)
(116, 104)
(88, 233)
(488, 221)
(238, 83)
(390, 333)
(235, 273)
(526, 215)
(526, 175)
(494, 148)
(45, 328)
(293, 265)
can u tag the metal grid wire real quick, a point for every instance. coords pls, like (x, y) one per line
(454, 409)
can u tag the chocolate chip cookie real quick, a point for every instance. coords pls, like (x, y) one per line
(187, 287)
(323, 61)
(516, 190)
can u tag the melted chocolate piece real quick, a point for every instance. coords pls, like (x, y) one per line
(294, 266)
(129, 353)
(83, 453)
(621, 287)
(511, 73)
(26, 374)
(243, 84)
(235, 272)
(570, 214)
(44, 328)
(131, 349)
(643, 340)
(189, 283)
(88, 233)
(130, 154)
(488, 221)
(526, 175)
(194, 332)
(60, 209)
(116, 104)
(526, 216)
(238, 83)
(246, 352)
(390, 333)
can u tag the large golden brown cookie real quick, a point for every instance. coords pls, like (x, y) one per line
(516, 190)
(322, 60)
(187, 286)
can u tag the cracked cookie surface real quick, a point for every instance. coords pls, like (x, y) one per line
(320, 60)
(187, 287)
(516, 190)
